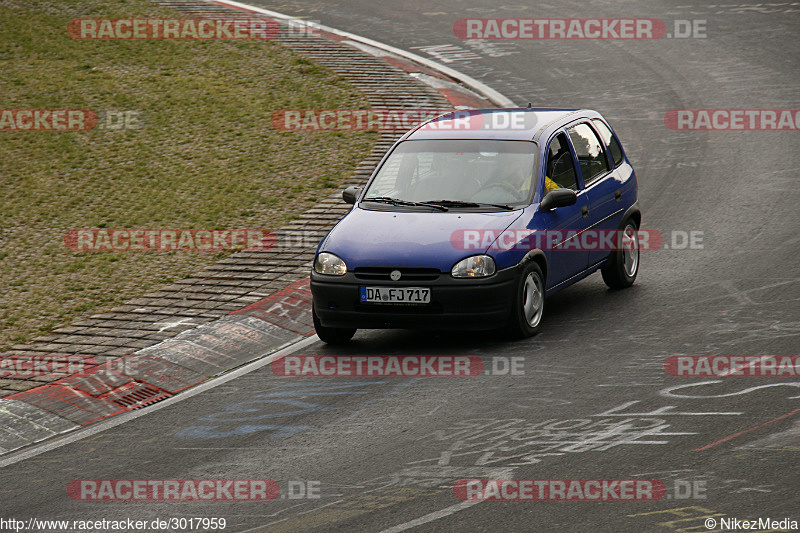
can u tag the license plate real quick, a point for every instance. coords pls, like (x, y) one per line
(396, 295)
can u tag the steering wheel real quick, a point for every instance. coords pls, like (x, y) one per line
(500, 185)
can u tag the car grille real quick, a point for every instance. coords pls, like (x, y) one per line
(378, 308)
(407, 274)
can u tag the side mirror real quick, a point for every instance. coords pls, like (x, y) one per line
(558, 198)
(350, 194)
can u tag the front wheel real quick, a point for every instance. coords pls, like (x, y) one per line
(528, 303)
(623, 265)
(331, 335)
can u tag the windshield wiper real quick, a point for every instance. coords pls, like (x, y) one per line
(397, 201)
(459, 203)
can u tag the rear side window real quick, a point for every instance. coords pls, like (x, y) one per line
(614, 149)
(590, 152)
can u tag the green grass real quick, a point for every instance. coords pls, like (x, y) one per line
(206, 155)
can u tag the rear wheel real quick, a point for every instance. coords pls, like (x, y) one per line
(331, 335)
(526, 316)
(623, 265)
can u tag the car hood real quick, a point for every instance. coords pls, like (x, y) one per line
(367, 238)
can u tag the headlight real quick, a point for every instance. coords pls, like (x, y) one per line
(477, 266)
(327, 263)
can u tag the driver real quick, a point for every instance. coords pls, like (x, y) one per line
(518, 177)
(550, 184)
(511, 183)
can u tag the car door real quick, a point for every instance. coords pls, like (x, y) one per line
(564, 259)
(617, 188)
(601, 188)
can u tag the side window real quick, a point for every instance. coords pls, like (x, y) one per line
(615, 150)
(560, 170)
(590, 152)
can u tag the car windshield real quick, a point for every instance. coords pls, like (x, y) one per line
(460, 174)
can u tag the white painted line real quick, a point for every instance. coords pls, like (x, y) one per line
(93, 429)
(266, 527)
(494, 96)
(24, 424)
(447, 511)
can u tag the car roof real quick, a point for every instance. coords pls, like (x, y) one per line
(528, 123)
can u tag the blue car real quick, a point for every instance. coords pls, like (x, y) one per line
(472, 218)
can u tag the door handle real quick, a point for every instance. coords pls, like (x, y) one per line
(618, 194)
(584, 211)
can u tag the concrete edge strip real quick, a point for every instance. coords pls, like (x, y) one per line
(157, 373)
(79, 432)
(77, 401)
(481, 88)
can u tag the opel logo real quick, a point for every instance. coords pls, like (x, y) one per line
(395, 275)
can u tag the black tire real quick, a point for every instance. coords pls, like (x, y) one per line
(525, 322)
(623, 265)
(331, 335)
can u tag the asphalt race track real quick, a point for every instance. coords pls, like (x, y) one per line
(589, 398)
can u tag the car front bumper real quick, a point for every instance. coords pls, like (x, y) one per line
(455, 303)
